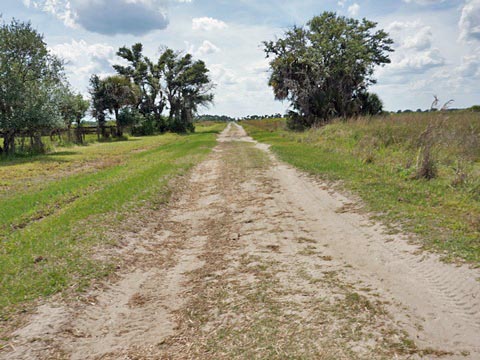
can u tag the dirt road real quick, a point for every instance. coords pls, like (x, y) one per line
(255, 260)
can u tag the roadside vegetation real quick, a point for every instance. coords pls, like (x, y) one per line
(146, 97)
(58, 208)
(385, 161)
(417, 171)
(324, 69)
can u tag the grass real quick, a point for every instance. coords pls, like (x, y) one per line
(51, 203)
(379, 159)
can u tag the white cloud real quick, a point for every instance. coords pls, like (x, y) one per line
(414, 54)
(207, 48)
(421, 40)
(470, 67)
(424, 2)
(418, 62)
(110, 17)
(83, 59)
(353, 9)
(208, 24)
(470, 21)
(222, 75)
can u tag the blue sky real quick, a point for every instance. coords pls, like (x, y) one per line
(437, 42)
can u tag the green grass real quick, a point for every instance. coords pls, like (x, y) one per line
(48, 216)
(377, 160)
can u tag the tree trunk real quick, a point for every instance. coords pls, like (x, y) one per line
(78, 134)
(9, 142)
(119, 126)
(36, 143)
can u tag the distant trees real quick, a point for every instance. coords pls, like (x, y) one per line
(73, 108)
(31, 84)
(260, 117)
(175, 82)
(325, 68)
(206, 117)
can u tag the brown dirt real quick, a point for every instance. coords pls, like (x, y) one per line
(256, 260)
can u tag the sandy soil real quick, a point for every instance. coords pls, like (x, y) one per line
(254, 259)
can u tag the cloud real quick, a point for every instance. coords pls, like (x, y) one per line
(424, 2)
(470, 21)
(470, 67)
(83, 59)
(353, 9)
(421, 40)
(207, 48)
(418, 63)
(414, 54)
(222, 75)
(109, 17)
(208, 24)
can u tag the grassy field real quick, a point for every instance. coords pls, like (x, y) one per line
(382, 159)
(50, 204)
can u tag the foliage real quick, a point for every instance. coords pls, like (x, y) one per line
(98, 93)
(370, 104)
(221, 118)
(174, 81)
(119, 92)
(326, 67)
(73, 108)
(31, 80)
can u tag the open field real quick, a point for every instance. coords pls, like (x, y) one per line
(378, 159)
(58, 208)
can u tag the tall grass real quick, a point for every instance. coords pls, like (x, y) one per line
(417, 171)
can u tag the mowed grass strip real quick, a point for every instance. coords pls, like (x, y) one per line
(46, 232)
(377, 159)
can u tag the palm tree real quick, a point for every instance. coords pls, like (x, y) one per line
(119, 92)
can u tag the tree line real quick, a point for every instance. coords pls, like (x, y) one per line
(141, 91)
(146, 95)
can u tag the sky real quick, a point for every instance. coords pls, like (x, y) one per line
(437, 43)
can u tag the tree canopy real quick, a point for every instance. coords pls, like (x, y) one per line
(31, 83)
(175, 82)
(325, 68)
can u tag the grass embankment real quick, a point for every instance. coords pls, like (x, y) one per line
(50, 204)
(379, 159)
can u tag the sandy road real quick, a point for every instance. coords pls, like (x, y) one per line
(255, 260)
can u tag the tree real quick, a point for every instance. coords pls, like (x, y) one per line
(79, 110)
(73, 108)
(188, 87)
(119, 92)
(325, 67)
(370, 104)
(99, 103)
(30, 79)
(147, 75)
